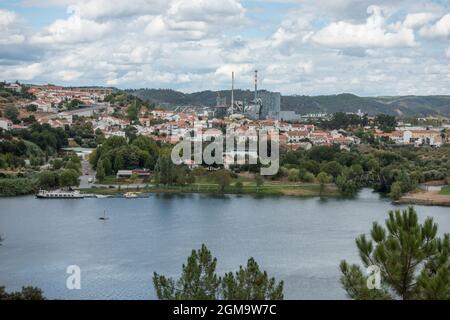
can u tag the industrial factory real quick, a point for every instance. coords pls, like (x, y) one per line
(264, 105)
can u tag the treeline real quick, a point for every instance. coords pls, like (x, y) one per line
(47, 138)
(84, 135)
(10, 187)
(116, 153)
(390, 171)
(199, 281)
(12, 95)
(130, 103)
(341, 120)
(64, 173)
(34, 144)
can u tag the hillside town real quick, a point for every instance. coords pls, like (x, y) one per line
(52, 107)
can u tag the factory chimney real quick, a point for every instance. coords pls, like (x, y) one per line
(256, 85)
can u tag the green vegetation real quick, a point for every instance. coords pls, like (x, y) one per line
(118, 154)
(445, 191)
(83, 134)
(393, 171)
(27, 293)
(17, 186)
(12, 113)
(199, 281)
(132, 104)
(64, 174)
(342, 120)
(414, 263)
(47, 138)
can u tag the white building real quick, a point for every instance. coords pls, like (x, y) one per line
(5, 124)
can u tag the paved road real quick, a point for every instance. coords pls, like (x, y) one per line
(87, 173)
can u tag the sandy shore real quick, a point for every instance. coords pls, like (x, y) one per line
(430, 198)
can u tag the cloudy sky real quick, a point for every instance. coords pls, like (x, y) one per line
(366, 47)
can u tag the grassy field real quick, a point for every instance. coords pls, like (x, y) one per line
(268, 189)
(445, 191)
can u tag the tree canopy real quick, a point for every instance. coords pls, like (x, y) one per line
(414, 262)
(199, 281)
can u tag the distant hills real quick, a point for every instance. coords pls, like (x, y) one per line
(400, 106)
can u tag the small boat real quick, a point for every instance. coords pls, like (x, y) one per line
(101, 196)
(58, 194)
(104, 216)
(130, 195)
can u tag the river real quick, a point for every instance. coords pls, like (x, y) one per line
(300, 241)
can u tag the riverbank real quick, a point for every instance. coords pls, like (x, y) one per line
(296, 190)
(426, 198)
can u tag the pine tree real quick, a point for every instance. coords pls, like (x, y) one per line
(413, 262)
(251, 283)
(198, 280)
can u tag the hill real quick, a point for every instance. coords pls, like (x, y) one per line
(400, 106)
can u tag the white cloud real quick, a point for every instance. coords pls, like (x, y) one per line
(10, 29)
(417, 20)
(375, 33)
(195, 20)
(313, 47)
(104, 9)
(447, 53)
(21, 72)
(72, 30)
(441, 29)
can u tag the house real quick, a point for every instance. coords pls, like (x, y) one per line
(140, 173)
(5, 124)
(396, 136)
(297, 136)
(429, 137)
(14, 87)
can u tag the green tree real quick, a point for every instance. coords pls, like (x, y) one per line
(198, 279)
(396, 191)
(250, 283)
(239, 185)
(27, 293)
(386, 122)
(164, 170)
(414, 262)
(223, 179)
(323, 179)
(69, 178)
(48, 180)
(293, 175)
(259, 182)
(100, 174)
(12, 113)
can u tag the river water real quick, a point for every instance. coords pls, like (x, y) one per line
(300, 241)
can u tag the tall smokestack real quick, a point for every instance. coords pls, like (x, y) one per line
(256, 85)
(232, 89)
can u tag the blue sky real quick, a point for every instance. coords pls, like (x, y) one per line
(311, 47)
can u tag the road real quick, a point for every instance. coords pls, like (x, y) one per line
(87, 173)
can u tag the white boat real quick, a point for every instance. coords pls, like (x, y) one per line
(130, 195)
(44, 194)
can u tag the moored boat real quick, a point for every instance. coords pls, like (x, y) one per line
(58, 194)
(130, 195)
